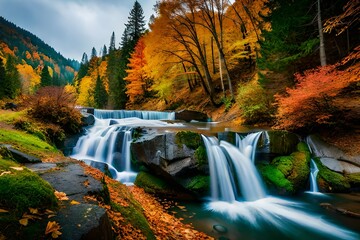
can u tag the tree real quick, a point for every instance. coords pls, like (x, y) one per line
(12, 86)
(100, 94)
(112, 42)
(2, 78)
(321, 36)
(45, 78)
(135, 27)
(104, 51)
(138, 82)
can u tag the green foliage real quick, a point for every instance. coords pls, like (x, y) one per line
(46, 79)
(100, 94)
(10, 117)
(254, 103)
(56, 106)
(23, 189)
(227, 102)
(353, 179)
(291, 36)
(201, 155)
(199, 184)
(10, 84)
(190, 139)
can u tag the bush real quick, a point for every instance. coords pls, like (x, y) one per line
(56, 106)
(254, 103)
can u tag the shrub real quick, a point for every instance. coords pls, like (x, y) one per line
(56, 106)
(254, 103)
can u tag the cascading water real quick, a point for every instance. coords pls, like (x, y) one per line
(101, 144)
(233, 177)
(121, 114)
(313, 174)
(248, 144)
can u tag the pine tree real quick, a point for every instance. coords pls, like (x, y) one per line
(104, 52)
(2, 78)
(12, 86)
(93, 53)
(45, 79)
(112, 43)
(100, 94)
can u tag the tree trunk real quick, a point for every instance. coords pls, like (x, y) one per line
(321, 37)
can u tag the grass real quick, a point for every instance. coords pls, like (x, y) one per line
(9, 117)
(26, 143)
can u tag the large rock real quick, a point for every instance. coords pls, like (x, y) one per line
(332, 157)
(189, 115)
(20, 156)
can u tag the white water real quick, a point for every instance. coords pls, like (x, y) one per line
(248, 144)
(121, 114)
(313, 174)
(257, 209)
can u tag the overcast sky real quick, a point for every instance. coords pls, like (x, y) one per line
(73, 27)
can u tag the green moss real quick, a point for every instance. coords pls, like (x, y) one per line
(201, 155)
(190, 139)
(302, 147)
(284, 164)
(151, 183)
(133, 215)
(273, 177)
(353, 179)
(22, 189)
(26, 142)
(331, 181)
(199, 184)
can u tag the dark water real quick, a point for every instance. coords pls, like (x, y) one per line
(336, 225)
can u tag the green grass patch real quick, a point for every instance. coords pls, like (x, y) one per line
(26, 143)
(9, 117)
(21, 189)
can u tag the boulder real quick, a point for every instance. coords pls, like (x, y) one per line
(87, 119)
(339, 166)
(189, 115)
(21, 157)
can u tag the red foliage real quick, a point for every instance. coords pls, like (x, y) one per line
(310, 102)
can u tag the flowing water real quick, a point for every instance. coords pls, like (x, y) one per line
(313, 174)
(239, 207)
(238, 194)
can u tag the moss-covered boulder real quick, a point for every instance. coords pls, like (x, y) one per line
(282, 142)
(287, 174)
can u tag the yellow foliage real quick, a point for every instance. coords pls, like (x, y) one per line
(30, 79)
(86, 89)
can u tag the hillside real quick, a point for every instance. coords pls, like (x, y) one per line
(31, 54)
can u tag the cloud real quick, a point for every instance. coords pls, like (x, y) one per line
(72, 26)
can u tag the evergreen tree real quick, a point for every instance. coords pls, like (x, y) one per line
(112, 43)
(84, 67)
(93, 52)
(104, 51)
(2, 79)
(100, 94)
(12, 86)
(45, 78)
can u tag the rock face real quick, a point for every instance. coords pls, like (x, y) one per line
(83, 221)
(169, 157)
(20, 156)
(332, 157)
(188, 115)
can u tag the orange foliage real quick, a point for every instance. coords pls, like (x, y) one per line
(310, 102)
(6, 50)
(28, 55)
(136, 78)
(36, 55)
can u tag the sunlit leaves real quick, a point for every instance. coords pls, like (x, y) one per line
(61, 196)
(53, 228)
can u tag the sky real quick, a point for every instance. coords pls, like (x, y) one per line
(73, 27)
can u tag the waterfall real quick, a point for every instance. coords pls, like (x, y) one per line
(237, 193)
(232, 173)
(109, 145)
(248, 144)
(313, 174)
(120, 114)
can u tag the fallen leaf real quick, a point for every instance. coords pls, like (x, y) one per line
(73, 202)
(24, 221)
(61, 196)
(52, 227)
(86, 183)
(55, 234)
(3, 211)
(34, 211)
(17, 168)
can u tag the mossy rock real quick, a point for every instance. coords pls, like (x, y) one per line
(330, 181)
(190, 139)
(283, 142)
(353, 179)
(152, 184)
(201, 155)
(20, 188)
(199, 184)
(288, 174)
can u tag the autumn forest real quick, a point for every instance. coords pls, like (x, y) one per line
(283, 63)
